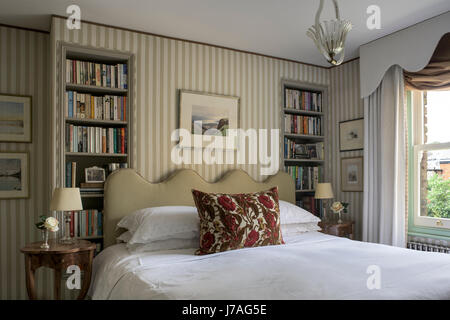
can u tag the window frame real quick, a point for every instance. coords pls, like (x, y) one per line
(418, 147)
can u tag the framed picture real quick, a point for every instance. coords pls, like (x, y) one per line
(15, 118)
(352, 174)
(94, 175)
(208, 115)
(312, 151)
(14, 175)
(351, 135)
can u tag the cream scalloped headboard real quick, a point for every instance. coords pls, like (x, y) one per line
(126, 191)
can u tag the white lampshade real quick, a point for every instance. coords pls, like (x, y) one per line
(324, 191)
(66, 199)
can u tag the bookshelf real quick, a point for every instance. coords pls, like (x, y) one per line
(95, 106)
(304, 131)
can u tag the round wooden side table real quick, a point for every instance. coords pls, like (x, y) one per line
(58, 257)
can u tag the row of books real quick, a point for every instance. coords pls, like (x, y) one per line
(294, 150)
(92, 187)
(302, 124)
(86, 223)
(303, 100)
(97, 74)
(96, 139)
(312, 205)
(305, 178)
(71, 174)
(86, 106)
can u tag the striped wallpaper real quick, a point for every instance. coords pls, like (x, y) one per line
(346, 104)
(162, 67)
(24, 70)
(165, 65)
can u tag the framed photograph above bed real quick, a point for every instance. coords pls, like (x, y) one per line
(15, 118)
(351, 135)
(207, 115)
(14, 175)
(352, 174)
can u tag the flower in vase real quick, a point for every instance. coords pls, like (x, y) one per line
(51, 224)
(337, 207)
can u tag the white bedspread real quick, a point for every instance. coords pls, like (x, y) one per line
(310, 266)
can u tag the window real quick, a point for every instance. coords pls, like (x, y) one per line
(431, 140)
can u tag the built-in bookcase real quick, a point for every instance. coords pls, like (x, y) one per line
(96, 103)
(304, 137)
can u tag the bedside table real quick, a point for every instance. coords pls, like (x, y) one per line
(345, 229)
(58, 257)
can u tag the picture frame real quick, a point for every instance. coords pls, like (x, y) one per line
(312, 151)
(14, 175)
(15, 118)
(94, 175)
(351, 135)
(352, 174)
(205, 115)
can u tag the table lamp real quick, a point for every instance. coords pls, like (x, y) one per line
(324, 191)
(66, 199)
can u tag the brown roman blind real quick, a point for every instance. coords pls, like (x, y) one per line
(436, 74)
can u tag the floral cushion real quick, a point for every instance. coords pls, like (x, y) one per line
(234, 221)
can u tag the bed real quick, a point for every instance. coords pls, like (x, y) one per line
(310, 265)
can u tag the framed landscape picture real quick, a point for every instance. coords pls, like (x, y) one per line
(352, 174)
(351, 135)
(205, 114)
(14, 175)
(15, 118)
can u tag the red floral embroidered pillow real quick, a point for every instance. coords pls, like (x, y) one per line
(234, 221)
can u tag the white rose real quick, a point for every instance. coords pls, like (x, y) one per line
(337, 207)
(51, 223)
(54, 229)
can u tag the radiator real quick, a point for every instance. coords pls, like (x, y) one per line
(423, 246)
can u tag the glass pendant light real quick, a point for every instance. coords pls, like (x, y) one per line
(329, 36)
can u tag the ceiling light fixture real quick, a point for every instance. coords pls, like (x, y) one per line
(329, 36)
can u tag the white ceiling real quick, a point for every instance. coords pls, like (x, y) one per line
(271, 27)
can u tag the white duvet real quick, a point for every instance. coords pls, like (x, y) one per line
(309, 266)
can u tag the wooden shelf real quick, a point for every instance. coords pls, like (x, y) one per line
(88, 154)
(117, 123)
(95, 89)
(92, 195)
(304, 136)
(305, 191)
(303, 112)
(305, 160)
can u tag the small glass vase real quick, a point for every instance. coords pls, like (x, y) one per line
(45, 244)
(340, 219)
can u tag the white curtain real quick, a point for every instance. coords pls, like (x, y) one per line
(384, 162)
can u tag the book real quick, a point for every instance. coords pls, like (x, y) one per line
(97, 74)
(310, 125)
(87, 185)
(302, 100)
(96, 139)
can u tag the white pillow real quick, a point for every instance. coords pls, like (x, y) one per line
(124, 237)
(290, 213)
(297, 228)
(132, 221)
(170, 244)
(162, 223)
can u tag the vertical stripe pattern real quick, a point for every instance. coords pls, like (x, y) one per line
(165, 66)
(24, 70)
(345, 104)
(162, 67)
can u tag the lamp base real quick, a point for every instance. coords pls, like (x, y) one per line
(67, 239)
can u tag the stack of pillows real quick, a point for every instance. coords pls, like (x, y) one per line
(219, 222)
